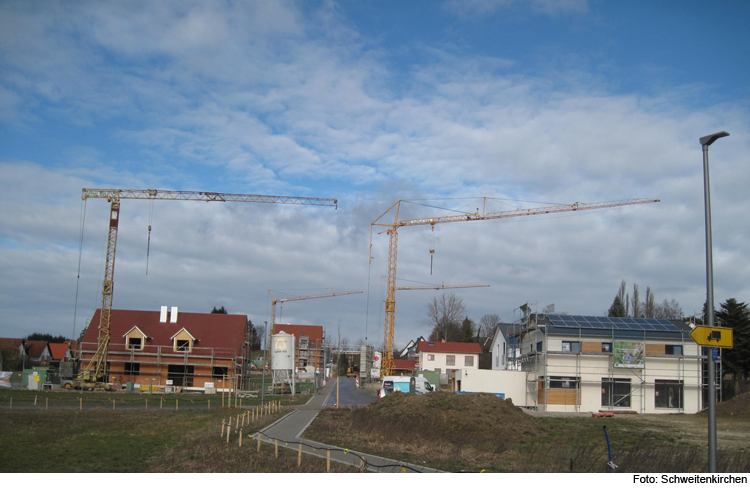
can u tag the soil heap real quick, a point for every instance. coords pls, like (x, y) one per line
(480, 420)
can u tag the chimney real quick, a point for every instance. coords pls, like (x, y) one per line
(443, 340)
(163, 315)
(173, 317)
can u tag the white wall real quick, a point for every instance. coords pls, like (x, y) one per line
(511, 383)
(439, 361)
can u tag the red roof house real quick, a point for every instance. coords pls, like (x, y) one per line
(170, 348)
(447, 357)
(308, 342)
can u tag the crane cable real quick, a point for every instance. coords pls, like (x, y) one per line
(150, 219)
(80, 253)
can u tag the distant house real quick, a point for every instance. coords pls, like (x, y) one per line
(448, 357)
(171, 348)
(308, 342)
(404, 367)
(410, 350)
(60, 352)
(38, 352)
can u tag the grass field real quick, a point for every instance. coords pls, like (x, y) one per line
(131, 439)
(443, 430)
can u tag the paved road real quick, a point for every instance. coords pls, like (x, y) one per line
(289, 428)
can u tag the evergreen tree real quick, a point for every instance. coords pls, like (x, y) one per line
(221, 310)
(467, 331)
(617, 309)
(736, 315)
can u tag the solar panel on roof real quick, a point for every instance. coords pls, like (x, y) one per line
(619, 323)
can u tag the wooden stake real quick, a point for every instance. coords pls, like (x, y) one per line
(362, 467)
(258, 441)
(80, 404)
(238, 423)
(209, 404)
(11, 402)
(276, 442)
(229, 429)
(146, 404)
(328, 460)
(223, 424)
(176, 405)
(46, 404)
(113, 404)
(299, 455)
(241, 433)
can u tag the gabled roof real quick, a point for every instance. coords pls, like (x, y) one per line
(58, 350)
(314, 332)
(35, 349)
(449, 347)
(212, 330)
(15, 342)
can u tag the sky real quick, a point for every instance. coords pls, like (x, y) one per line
(439, 103)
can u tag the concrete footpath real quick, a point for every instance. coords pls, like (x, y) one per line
(289, 428)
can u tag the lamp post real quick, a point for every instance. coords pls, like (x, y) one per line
(707, 141)
(263, 368)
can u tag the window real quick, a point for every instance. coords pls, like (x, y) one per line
(430, 358)
(673, 349)
(132, 369)
(134, 343)
(539, 346)
(606, 347)
(668, 394)
(182, 345)
(564, 382)
(571, 346)
(469, 361)
(615, 392)
(219, 372)
(450, 360)
(438, 370)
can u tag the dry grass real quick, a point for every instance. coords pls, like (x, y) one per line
(484, 433)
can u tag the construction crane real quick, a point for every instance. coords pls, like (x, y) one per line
(95, 373)
(300, 298)
(392, 230)
(437, 287)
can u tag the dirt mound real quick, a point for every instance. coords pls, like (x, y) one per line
(480, 419)
(739, 406)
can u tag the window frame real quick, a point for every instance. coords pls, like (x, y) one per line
(664, 385)
(450, 360)
(430, 357)
(612, 388)
(468, 360)
(676, 349)
(573, 347)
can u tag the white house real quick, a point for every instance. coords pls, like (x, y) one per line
(591, 364)
(447, 357)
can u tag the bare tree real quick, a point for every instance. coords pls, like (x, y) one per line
(621, 293)
(636, 302)
(670, 310)
(487, 325)
(650, 304)
(446, 312)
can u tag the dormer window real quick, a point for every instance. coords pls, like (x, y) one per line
(135, 339)
(183, 341)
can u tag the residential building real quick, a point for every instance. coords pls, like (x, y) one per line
(172, 349)
(584, 363)
(447, 357)
(404, 367)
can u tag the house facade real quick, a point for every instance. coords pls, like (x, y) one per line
(593, 364)
(168, 348)
(447, 357)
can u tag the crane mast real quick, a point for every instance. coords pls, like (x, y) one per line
(95, 373)
(392, 231)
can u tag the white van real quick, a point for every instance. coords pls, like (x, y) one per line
(406, 384)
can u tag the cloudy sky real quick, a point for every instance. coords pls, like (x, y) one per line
(530, 102)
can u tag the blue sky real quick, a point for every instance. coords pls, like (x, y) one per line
(368, 102)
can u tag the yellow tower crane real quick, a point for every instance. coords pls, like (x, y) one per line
(95, 373)
(392, 230)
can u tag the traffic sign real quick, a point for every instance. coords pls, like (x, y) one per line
(717, 337)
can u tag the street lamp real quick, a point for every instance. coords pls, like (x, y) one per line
(707, 141)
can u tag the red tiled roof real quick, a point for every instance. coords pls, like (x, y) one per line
(15, 342)
(314, 332)
(449, 347)
(212, 330)
(35, 348)
(58, 350)
(402, 363)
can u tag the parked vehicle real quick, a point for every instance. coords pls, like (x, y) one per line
(417, 385)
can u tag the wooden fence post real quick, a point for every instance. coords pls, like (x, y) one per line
(80, 404)
(209, 404)
(241, 433)
(46, 404)
(258, 441)
(238, 423)
(146, 404)
(11, 402)
(328, 460)
(113, 404)
(299, 455)
(176, 405)
(229, 428)
(223, 424)
(276, 444)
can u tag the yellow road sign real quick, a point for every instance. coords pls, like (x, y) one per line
(717, 337)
